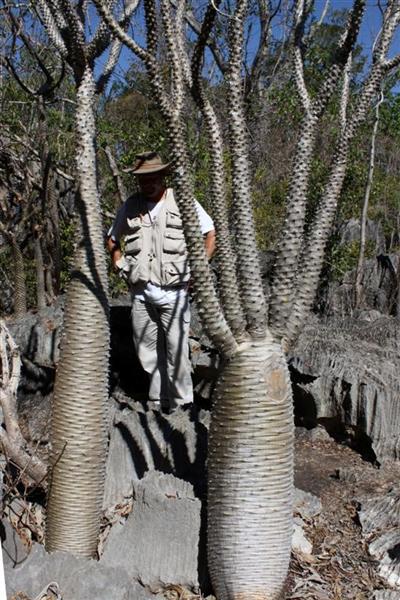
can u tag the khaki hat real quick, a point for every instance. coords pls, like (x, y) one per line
(147, 163)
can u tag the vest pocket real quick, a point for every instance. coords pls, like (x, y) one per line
(174, 242)
(173, 220)
(133, 241)
(176, 272)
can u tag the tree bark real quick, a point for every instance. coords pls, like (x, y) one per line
(250, 475)
(40, 273)
(78, 427)
(20, 303)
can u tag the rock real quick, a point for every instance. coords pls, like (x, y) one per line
(349, 373)
(386, 595)
(77, 578)
(379, 289)
(350, 232)
(380, 521)
(158, 544)
(143, 441)
(315, 434)
(38, 334)
(299, 541)
(306, 505)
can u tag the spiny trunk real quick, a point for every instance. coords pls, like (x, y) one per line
(248, 267)
(78, 427)
(250, 468)
(209, 309)
(285, 267)
(19, 279)
(314, 250)
(228, 287)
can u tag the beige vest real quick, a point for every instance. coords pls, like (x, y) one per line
(156, 251)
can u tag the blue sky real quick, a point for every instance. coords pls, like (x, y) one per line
(369, 29)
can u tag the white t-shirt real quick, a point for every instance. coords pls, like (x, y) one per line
(151, 292)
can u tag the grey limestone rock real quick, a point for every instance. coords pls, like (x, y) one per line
(158, 544)
(77, 578)
(379, 288)
(349, 371)
(299, 541)
(142, 441)
(38, 335)
(386, 595)
(380, 521)
(306, 505)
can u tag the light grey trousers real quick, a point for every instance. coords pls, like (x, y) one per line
(160, 335)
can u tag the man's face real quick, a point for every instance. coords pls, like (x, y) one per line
(152, 185)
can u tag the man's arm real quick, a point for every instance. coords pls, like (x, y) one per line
(115, 250)
(209, 243)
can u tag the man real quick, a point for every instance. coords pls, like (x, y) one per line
(155, 264)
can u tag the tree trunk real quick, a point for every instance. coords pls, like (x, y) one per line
(40, 274)
(358, 288)
(19, 279)
(55, 248)
(250, 468)
(78, 432)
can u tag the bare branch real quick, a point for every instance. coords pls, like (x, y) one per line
(211, 43)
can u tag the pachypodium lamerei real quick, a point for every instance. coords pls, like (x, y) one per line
(78, 432)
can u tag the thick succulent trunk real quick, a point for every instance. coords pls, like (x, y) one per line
(250, 469)
(19, 279)
(78, 426)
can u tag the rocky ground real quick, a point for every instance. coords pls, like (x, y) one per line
(340, 566)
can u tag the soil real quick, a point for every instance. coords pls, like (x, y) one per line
(340, 567)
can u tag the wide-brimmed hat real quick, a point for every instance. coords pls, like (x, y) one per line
(147, 163)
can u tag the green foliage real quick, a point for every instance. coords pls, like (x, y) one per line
(269, 211)
(67, 238)
(343, 257)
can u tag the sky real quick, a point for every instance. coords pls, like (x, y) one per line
(370, 26)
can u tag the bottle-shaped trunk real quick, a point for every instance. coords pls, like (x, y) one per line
(251, 475)
(78, 426)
